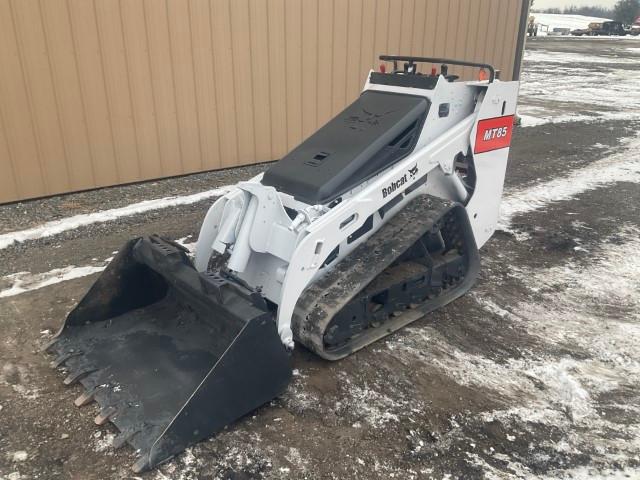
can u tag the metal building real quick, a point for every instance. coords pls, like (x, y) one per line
(105, 92)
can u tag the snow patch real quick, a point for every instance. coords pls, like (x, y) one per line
(594, 473)
(371, 406)
(56, 227)
(571, 59)
(26, 392)
(183, 468)
(581, 305)
(22, 282)
(18, 456)
(559, 87)
(103, 442)
(560, 20)
(623, 166)
(611, 280)
(16, 376)
(297, 460)
(540, 390)
(190, 246)
(571, 310)
(492, 473)
(236, 451)
(298, 398)
(515, 379)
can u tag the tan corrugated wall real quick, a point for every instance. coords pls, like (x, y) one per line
(102, 92)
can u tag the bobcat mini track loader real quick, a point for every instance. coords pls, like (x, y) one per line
(372, 222)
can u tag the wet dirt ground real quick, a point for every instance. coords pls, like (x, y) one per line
(533, 374)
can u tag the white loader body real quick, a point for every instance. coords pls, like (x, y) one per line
(282, 256)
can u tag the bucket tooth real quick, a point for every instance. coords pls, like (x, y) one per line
(75, 376)
(123, 437)
(85, 399)
(60, 359)
(141, 465)
(104, 415)
(48, 347)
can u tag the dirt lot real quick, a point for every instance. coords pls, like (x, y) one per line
(534, 374)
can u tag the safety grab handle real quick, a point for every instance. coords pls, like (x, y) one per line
(402, 58)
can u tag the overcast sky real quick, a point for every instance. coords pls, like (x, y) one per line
(579, 3)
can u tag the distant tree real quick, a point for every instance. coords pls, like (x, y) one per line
(591, 11)
(626, 11)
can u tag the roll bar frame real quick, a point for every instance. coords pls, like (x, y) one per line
(396, 58)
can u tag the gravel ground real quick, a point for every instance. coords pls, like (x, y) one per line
(533, 374)
(22, 215)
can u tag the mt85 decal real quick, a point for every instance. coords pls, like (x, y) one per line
(493, 133)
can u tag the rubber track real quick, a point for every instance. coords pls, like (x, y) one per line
(325, 298)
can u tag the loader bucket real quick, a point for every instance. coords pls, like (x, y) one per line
(170, 355)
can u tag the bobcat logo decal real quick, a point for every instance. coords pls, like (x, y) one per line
(365, 120)
(403, 180)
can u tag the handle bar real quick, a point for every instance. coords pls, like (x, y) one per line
(396, 58)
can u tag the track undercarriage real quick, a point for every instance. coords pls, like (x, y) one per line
(420, 260)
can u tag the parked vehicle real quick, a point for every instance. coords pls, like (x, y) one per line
(598, 29)
(633, 30)
(586, 31)
(559, 31)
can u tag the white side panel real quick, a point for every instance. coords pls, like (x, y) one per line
(282, 256)
(484, 206)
